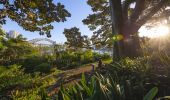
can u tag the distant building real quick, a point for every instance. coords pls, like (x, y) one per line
(12, 34)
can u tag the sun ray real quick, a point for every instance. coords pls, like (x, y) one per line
(155, 32)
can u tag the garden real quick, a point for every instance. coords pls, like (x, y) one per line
(111, 50)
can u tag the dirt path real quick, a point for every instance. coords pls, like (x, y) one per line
(69, 77)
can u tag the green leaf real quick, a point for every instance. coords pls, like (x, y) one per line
(79, 86)
(83, 79)
(164, 98)
(151, 94)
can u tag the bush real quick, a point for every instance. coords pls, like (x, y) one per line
(105, 56)
(13, 76)
(17, 85)
(43, 68)
(30, 63)
(70, 60)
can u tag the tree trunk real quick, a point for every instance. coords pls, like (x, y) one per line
(130, 45)
(116, 17)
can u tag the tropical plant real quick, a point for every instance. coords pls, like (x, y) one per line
(97, 88)
(101, 87)
(143, 74)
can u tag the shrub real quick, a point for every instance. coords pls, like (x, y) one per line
(30, 63)
(17, 85)
(43, 68)
(105, 56)
(11, 77)
(73, 59)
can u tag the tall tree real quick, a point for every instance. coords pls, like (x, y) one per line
(127, 18)
(33, 15)
(75, 39)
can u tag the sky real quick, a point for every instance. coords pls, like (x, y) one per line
(79, 10)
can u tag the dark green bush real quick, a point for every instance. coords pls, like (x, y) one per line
(30, 63)
(43, 68)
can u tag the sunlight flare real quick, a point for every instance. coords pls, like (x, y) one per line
(155, 32)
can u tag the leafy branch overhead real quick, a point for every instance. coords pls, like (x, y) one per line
(33, 15)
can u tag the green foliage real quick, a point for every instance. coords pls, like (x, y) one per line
(17, 85)
(143, 74)
(99, 87)
(43, 68)
(75, 40)
(36, 63)
(87, 57)
(2, 34)
(128, 79)
(37, 16)
(11, 77)
(68, 59)
(151, 94)
(99, 21)
(14, 49)
(132, 79)
(30, 63)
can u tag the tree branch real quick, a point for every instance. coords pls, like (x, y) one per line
(152, 12)
(139, 7)
(125, 9)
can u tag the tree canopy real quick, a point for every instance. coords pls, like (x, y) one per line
(33, 15)
(75, 39)
(127, 18)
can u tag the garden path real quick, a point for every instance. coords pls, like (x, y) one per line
(70, 77)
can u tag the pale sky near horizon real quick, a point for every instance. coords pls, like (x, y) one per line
(79, 10)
